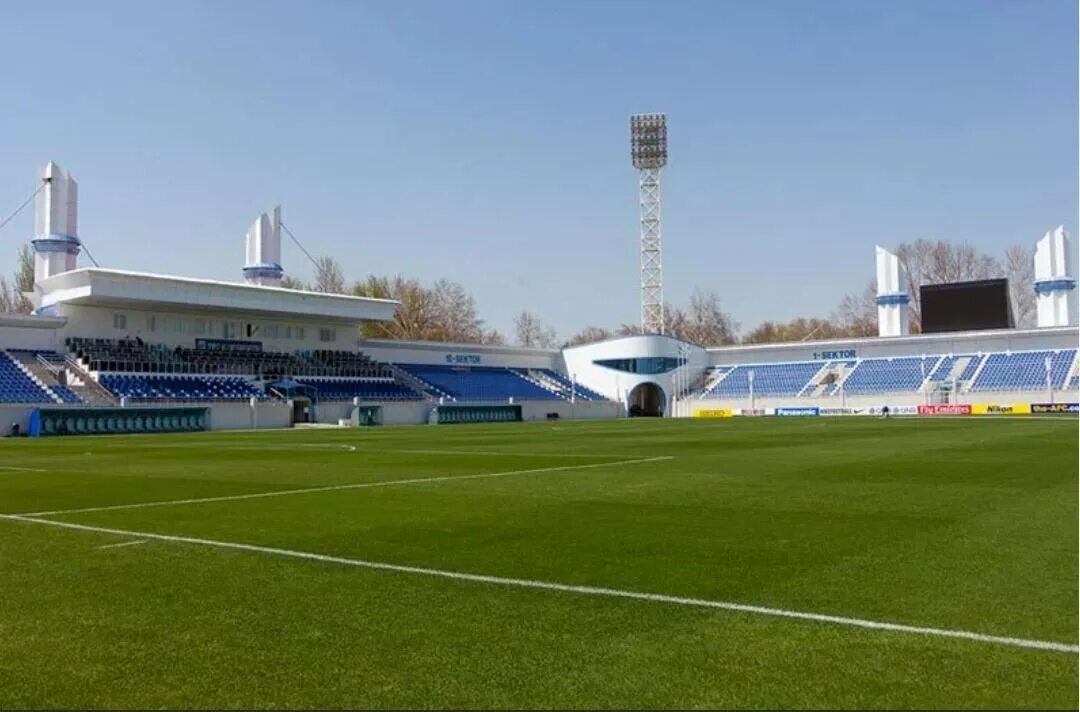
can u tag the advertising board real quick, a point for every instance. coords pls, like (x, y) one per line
(713, 412)
(799, 410)
(1000, 409)
(944, 410)
(1055, 407)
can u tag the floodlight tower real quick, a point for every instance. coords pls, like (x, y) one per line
(648, 152)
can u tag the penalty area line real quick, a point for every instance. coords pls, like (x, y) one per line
(576, 589)
(335, 488)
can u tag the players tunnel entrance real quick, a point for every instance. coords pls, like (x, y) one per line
(646, 400)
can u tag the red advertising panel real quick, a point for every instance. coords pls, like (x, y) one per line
(944, 410)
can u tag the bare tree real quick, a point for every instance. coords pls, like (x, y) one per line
(1020, 269)
(531, 332)
(7, 296)
(24, 280)
(493, 338)
(674, 321)
(857, 313)
(455, 314)
(589, 335)
(414, 318)
(328, 276)
(442, 312)
(938, 263)
(288, 282)
(800, 329)
(704, 322)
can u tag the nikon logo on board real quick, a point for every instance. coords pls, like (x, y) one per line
(1000, 409)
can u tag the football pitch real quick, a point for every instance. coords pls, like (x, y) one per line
(785, 562)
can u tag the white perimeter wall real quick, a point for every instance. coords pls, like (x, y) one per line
(393, 413)
(241, 416)
(416, 413)
(30, 332)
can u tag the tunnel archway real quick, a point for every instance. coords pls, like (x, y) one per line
(646, 400)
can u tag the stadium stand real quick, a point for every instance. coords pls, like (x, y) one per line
(180, 388)
(478, 383)
(889, 375)
(344, 363)
(1019, 371)
(770, 379)
(16, 386)
(137, 356)
(45, 369)
(1024, 370)
(349, 388)
(561, 384)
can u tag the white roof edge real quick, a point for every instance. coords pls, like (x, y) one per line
(215, 282)
(32, 321)
(623, 337)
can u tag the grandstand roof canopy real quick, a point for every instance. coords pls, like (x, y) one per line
(140, 290)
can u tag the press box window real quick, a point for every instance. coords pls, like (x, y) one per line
(119, 321)
(327, 335)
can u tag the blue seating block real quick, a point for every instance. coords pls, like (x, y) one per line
(479, 383)
(16, 386)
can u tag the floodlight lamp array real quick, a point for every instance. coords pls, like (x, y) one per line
(648, 140)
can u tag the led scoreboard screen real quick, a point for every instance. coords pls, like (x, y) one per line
(965, 306)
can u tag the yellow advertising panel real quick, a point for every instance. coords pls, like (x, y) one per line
(1000, 409)
(713, 412)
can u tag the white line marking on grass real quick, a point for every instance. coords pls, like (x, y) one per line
(123, 543)
(22, 469)
(482, 452)
(333, 446)
(333, 488)
(569, 588)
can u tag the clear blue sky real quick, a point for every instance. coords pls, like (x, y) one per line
(486, 142)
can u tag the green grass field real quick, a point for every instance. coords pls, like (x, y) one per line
(944, 525)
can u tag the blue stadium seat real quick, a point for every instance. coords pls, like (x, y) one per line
(180, 388)
(1024, 370)
(16, 386)
(478, 383)
(382, 389)
(770, 379)
(889, 375)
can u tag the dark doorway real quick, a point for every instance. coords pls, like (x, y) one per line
(301, 410)
(647, 401)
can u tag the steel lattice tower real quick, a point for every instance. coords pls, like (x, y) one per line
(648, 152)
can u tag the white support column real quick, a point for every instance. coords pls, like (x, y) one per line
(892, 296)
(264, 250)
(1055, 280)
(56, 234)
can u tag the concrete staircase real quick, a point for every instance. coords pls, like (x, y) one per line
(538, 379)
(423, 388)
(82, 384)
